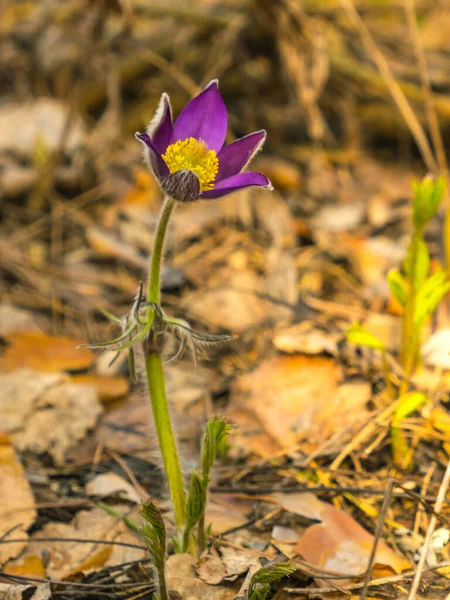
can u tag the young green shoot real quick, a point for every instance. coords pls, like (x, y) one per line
(216, 431)
(259, 587)
(419, 292)
(154, 535)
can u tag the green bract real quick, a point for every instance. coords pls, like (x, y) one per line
(398, 286)
(260, 583)
(417, 263)
(428, 194)
(429, 297)
(357, 334)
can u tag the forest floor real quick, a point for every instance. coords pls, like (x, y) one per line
(309, 473)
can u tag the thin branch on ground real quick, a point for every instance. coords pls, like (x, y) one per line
(431, 527)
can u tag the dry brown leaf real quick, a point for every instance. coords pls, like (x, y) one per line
(380, 211)
(20, 390)
(135, 203)
(129, 427)
(13, 319)
(429, 378)
(31, 566)
(440, 419)
(339, 544)
(105, 366)
(392, 182)
(41, 352)
(371, 258)
(182, 579)
(111, 484)
(52, 426)
(281, 282)
(286, 535)
(189, 387)
(305, 504)
(211, 569)
(15, 492)
(239, 560)
(191, 221)
(434, 29)
(250, 436)
(69, 558)
(291, 398)
(19, 592)
(234, 304)
(108, 388)
(307, 339)
(43, 119)
(126, 427)
(38, 411)
(280, 393)
(387, 328)
(226, 511)
(336, 218)
(275, 217)
(322, 178)
(108, 244)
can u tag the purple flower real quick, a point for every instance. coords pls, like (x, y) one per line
(189, 158)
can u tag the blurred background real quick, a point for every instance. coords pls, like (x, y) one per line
(79, 78)
(343, 88)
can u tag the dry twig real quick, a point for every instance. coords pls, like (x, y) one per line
(431, 527)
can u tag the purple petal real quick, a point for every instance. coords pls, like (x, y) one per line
(204, 117)
(236, 156)
(236, 182)
(160, 127)
(152, 157)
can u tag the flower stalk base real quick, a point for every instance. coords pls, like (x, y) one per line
(155, 378)
(156, 386)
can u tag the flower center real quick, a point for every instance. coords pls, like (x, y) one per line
(193, 155)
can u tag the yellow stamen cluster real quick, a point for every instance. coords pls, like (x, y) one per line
(193, 155)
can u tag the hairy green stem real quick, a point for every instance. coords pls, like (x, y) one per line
(201, 534)
(186, 539)
(156, 383)
(154, 276)
(387, 377)
(447, 238)
(162, 586)
(409, 352)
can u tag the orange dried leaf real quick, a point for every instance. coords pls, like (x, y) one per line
(97, 560)
(226, 511)
(45, 353)
(67, 558)
(183, 581)
(108, 388)
(108, 244)
(339, 544)
(440, 419)
(17, 511)
(293, 398)
(31, 567)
